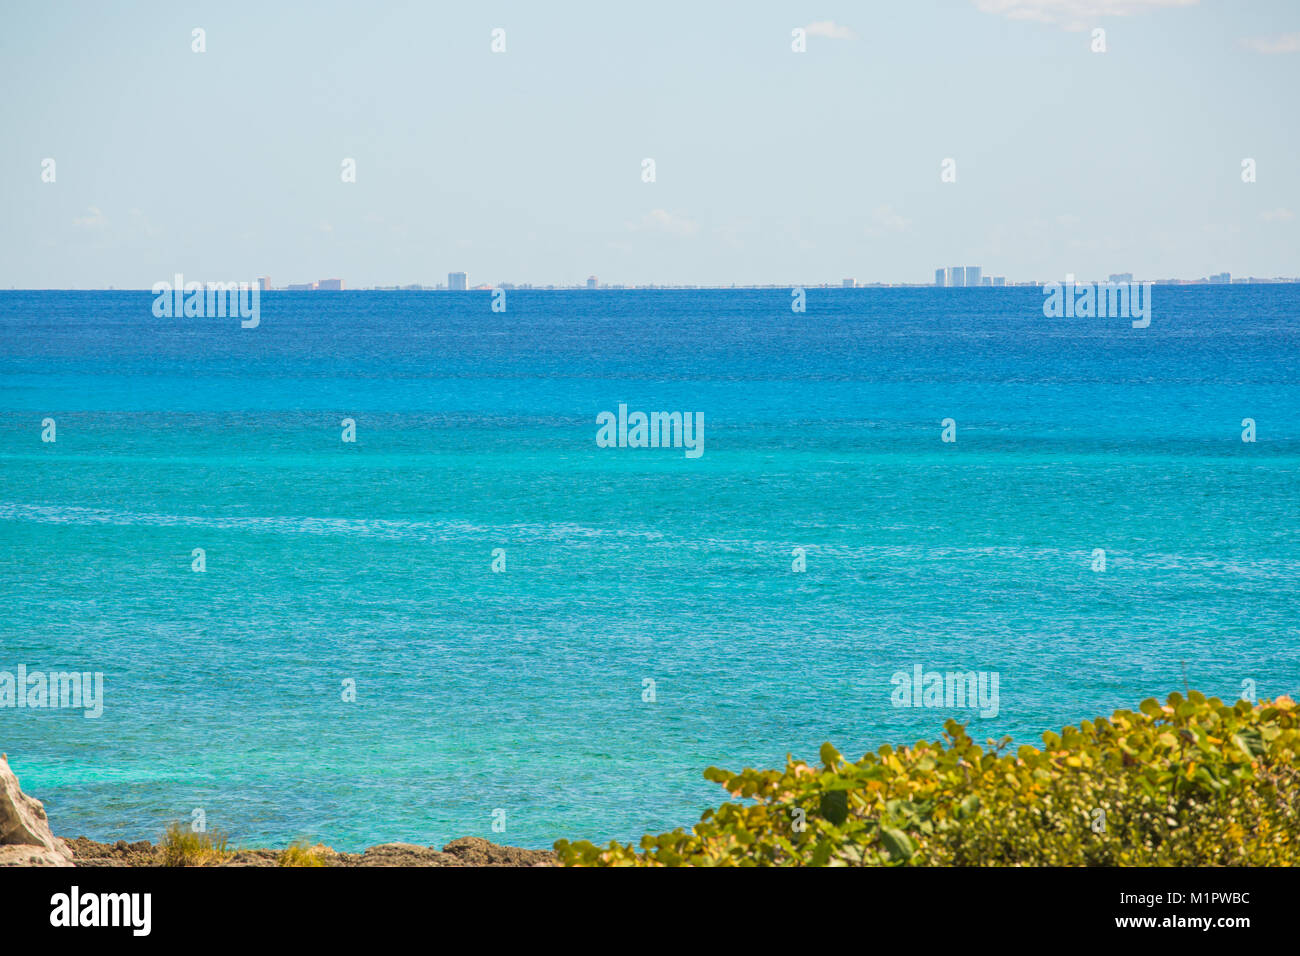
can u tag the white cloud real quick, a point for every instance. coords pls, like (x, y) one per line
(1281, 214)
(94, 219)
(1282, 43)
(886, 220)
(830, 30)
(660, 220)
(140, 221)
(1220, 232)
(1074, 14)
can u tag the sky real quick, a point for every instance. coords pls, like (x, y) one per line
(526, 166)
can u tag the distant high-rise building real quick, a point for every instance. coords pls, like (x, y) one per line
(848, 283)
(986, 281)
(972, 275)
(956, 276)
(457, 281)
(998, 280)
(591, 282)
(330, 285)
(1121, 277)
(938, 278)
(1221, 277)
(264, 283)
(302, 287)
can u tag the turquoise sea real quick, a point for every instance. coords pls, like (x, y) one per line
(523, 690)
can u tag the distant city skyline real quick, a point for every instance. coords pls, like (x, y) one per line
(721, 153)
(458, 282)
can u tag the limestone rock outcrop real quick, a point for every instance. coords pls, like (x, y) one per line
(25, 837)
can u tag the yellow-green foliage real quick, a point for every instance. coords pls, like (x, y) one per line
(181, 847)
(299, 854)
(1189, 782)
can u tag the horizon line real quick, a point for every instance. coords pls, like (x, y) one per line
(844, 284)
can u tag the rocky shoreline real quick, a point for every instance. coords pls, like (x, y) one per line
(26, 840)
(466, 851)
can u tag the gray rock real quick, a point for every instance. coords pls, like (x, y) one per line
(25, 837)
(21, 855)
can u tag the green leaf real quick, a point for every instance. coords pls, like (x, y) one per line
(897, 843)
(835, 806)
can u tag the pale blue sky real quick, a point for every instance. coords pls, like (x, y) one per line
(772, 166)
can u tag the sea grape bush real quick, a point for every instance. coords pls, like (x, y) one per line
(1192, 781)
